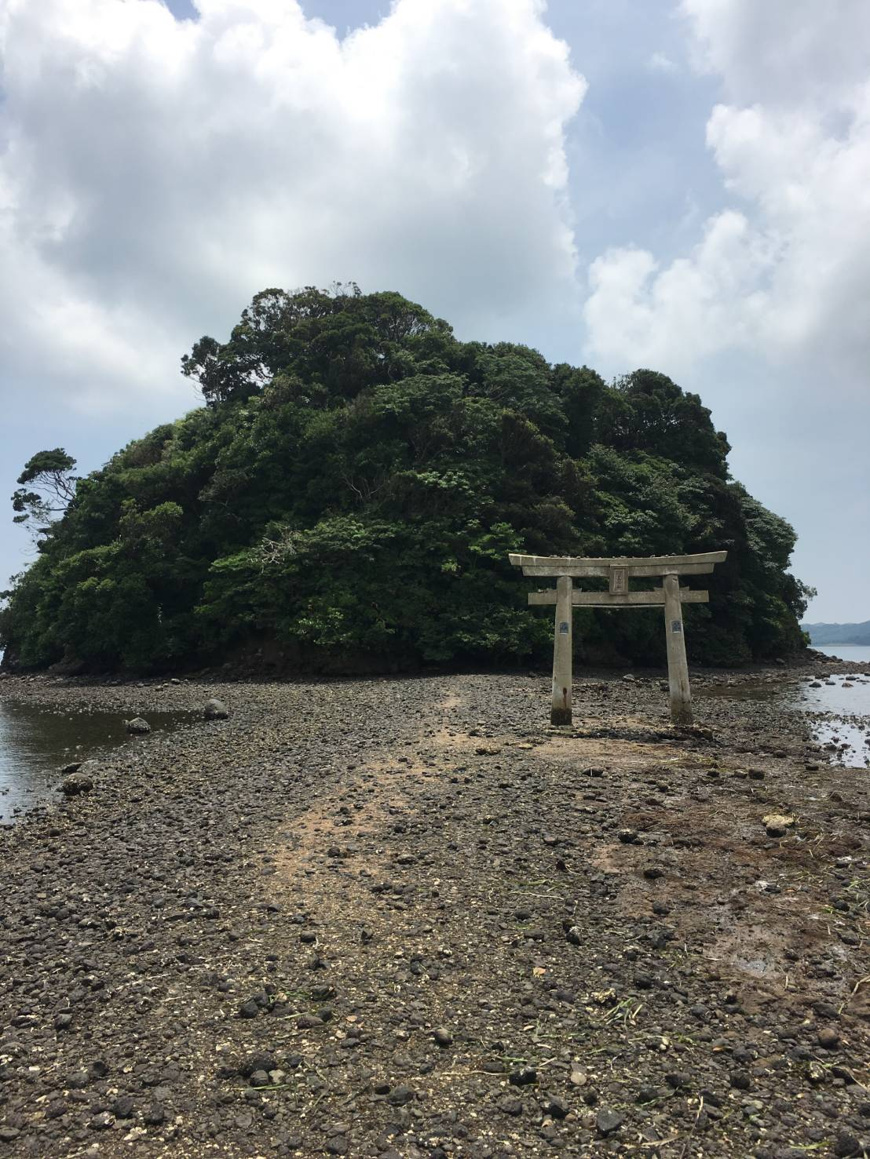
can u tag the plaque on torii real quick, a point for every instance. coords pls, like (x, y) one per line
(618, 571)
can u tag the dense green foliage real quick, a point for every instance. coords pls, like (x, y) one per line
(351, 489)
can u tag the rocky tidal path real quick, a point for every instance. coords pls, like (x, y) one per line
(405, 918)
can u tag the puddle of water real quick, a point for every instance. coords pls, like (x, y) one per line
(758, 967)
(837, 706)
(843, 695)
(35, 744)
(848, 743)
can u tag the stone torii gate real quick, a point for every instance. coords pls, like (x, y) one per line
(618, 570)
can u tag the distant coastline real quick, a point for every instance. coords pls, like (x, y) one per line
(838, 633)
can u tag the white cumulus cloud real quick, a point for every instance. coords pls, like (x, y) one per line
(156, 173)
(783, 270)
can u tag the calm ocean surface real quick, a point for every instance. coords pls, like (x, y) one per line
(857, 652)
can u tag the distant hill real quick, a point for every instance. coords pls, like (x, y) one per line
(839, 633)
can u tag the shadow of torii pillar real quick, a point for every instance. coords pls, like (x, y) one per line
(618, 570)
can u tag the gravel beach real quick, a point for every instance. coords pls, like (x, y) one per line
(406, 918)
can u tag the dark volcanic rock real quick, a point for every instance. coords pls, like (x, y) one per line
(187, 971)
(609, 1121)
(523, 1077)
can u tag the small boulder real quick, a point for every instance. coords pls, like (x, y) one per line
(777, 824)
(215, 710)
(137, 726)
(76, 784)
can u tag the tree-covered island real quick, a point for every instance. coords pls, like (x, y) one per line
(348, 495)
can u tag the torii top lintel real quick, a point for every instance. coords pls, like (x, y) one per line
(642, 565)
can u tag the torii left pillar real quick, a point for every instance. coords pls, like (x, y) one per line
(678, 668)
(563, 654)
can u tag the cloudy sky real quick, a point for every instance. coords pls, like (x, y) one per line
(680, 184)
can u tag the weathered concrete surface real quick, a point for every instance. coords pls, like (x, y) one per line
(563, 654)
(679, 690)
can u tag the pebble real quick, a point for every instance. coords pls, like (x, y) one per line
(678, 1080)
(511, 1106)
(523, 1077)
(609, 1121)
(777, 824)
(628, 836)
(846, 1145)
(400, 1096)
(557, 1107)
(308, 1022)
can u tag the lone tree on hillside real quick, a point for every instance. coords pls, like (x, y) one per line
(47, 487)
